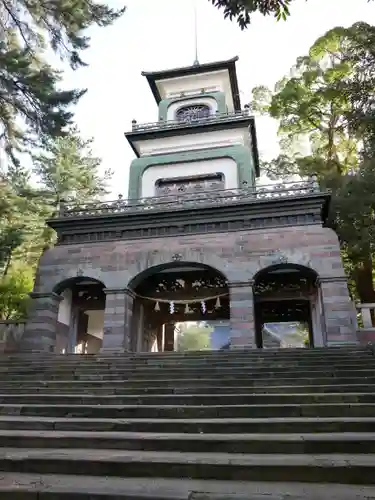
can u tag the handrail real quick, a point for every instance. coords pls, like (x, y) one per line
(366, 328)
(167, 124)
(195, 199)
(366, 311)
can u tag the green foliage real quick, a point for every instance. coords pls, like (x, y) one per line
(327, 104)
(14, 290)
(60, 25)
(66, 169)
(193, 337)
(242, 10)
(32, 107)
(12, 224)
(37, 116)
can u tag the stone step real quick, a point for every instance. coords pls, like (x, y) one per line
(327, 351)
(193, 425)
(219, 382)
(343, 371)
(166, 361)
(323, 443)
(191, 411)
(248, 363)
(181, 369)
(353, 348)
(124, 389)
(154, 364)
(330, 468)
(222, 399)
(94, 363)
(71, 487)
(299, 415)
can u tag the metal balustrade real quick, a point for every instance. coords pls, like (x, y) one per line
(187, 200)
(199, 120)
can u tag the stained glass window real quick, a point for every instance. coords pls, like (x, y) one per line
(199, 183)
(193, 112)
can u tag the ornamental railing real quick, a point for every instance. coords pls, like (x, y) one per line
(188, 122)
(198, 199)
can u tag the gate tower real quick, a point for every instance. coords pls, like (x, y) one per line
(194, 239)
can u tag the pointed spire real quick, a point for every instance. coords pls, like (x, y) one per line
(195, 6)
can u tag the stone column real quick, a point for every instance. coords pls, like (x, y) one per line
(242, 324)
(117, 320)
(338, 311)
(41, 326)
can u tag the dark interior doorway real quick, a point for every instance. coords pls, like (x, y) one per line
(294, 316)
(283, 298)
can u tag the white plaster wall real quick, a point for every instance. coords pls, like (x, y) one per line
(95, 324)
(225, 166)
(194, 142)
(216, 81)
(65, 307)
(199, 100)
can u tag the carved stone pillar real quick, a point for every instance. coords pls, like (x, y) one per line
(242, 315)
(338, 311)
(41, 326)
(117, 320)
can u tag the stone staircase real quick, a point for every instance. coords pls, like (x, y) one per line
(270, 425)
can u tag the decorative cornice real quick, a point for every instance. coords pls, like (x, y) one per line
(240, 284)
(292, 212)
(46, 295)
(332, 279)
(125, 291)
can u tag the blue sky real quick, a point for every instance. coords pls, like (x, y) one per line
(159, 34)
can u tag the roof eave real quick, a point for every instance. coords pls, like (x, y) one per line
(229, 65)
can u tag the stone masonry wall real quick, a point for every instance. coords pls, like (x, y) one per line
(238, 255)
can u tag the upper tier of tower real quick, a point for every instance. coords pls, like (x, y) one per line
(202, 139)
(197, 81)
(194, 170)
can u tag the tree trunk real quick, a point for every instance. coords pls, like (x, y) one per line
(7, 264)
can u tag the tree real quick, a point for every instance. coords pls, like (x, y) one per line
(328, 102)
(193, 337)
(12, 224)
(32, 108)
(59, 25)
(14, 293)
(241, 10)
(69, 171)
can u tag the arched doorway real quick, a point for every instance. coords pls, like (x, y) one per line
(180, 306)
(286, 307)
(80, 320)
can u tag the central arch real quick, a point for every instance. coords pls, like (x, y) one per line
(286, 306)
(180, 306)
